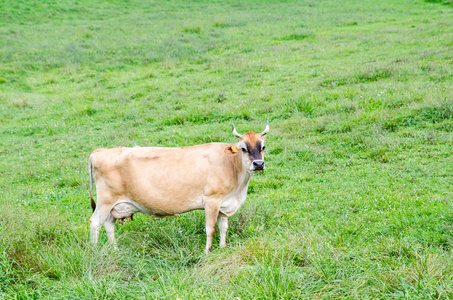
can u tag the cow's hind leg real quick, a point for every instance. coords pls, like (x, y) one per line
(102, 216)
(95, 226)
(109, 225)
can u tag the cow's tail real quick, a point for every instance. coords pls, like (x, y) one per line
(90, 171)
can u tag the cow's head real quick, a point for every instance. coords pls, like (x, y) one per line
(251, 148)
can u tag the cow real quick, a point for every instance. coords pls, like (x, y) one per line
(165, 182)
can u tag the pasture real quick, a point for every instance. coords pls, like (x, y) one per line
(356, 198)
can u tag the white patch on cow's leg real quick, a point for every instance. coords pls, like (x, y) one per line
(95, 226)
(210, 231)
(211, 213)
(109, 226)
(223, 227)
(101, 216)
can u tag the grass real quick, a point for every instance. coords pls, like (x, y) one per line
(355, 202)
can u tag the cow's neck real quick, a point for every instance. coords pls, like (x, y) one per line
(244, 180)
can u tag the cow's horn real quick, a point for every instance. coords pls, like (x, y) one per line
(266, 130)
(235, 133)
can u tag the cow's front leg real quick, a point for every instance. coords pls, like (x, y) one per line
(211, 213)
(223, 227)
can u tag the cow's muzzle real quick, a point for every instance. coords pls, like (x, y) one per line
(257, 165)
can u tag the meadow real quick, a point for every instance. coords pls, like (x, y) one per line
(356, 199)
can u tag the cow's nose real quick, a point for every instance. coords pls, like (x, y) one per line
(258, 164)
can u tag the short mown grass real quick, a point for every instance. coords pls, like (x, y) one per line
(356, 199)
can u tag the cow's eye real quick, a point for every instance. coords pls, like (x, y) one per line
(264, 147)
(244, 150)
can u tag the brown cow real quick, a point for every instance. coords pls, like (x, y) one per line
(164, 182)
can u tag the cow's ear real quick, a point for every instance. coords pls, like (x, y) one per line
(231, 150)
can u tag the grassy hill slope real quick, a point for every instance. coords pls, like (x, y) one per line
(356, 198)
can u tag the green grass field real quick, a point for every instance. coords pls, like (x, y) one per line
(356, 199)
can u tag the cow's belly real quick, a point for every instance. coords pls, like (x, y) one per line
(126, 208)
